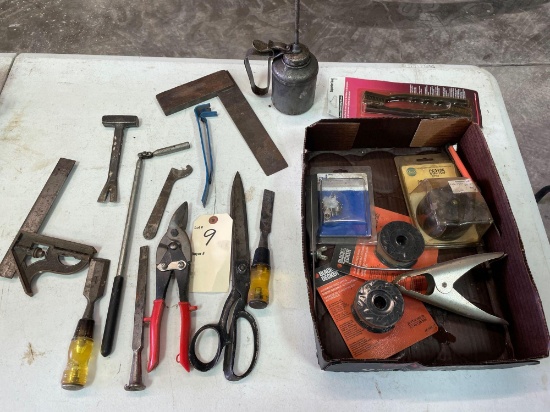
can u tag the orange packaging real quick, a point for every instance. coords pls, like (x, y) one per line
(338, 292)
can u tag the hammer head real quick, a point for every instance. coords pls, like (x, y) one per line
(120, 121)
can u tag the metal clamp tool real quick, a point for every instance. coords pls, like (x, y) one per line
(441, 292)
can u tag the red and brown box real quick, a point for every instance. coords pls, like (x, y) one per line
(506, 288)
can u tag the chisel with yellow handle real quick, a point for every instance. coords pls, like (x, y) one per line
(258, 294)
(80, 350)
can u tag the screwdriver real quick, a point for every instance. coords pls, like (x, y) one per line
(258, 294)
(80, 350)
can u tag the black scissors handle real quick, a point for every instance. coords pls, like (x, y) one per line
(227, 341)
(231, 347)
(222, 341)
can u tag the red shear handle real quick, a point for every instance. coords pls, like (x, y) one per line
(185, 311)
(154, 333)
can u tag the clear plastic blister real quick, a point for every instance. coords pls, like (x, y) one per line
(450, 212)
(346, 205)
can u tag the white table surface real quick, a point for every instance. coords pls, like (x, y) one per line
(51, 107)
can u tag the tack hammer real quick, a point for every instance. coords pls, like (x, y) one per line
(110, 190)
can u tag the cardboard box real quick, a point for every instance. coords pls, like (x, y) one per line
(506, 288)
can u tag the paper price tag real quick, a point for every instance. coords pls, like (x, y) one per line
(462, 186)
(211, 243)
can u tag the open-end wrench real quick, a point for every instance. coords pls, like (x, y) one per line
(153, 223)
(110, 190)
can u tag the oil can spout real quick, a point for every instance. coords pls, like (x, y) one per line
(297, 27)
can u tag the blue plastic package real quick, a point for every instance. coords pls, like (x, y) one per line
(345, 207)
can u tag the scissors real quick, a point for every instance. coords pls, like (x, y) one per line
(234, 307)
(173, 258)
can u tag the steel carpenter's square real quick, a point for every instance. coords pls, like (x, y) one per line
(222, 85)
(39, 211)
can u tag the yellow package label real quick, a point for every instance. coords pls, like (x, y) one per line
(413, 175)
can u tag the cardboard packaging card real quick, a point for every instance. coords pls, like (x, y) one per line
(338, 292)
(349, 97)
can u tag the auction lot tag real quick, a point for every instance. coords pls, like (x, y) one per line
(211, 247)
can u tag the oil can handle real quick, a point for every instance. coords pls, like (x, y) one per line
(260, 91)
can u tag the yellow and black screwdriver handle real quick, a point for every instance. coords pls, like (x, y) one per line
(258, 294)
(80, 352)
(80, 349)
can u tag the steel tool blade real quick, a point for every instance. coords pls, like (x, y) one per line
(239, 248)
(139, 313)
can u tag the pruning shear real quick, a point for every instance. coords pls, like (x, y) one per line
(234, 307)
(173, 257)
(441, 292)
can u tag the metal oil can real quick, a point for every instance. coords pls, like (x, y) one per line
(293, 69)
(294, 80)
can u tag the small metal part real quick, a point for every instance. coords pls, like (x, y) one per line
(331, 206)
(110, 190)
(222, 85)
(136, 376)
(441, 292)
(152, 226)
(202, 113)
(400, 244)
(378, 306)
(319, 253)
(167, 267)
